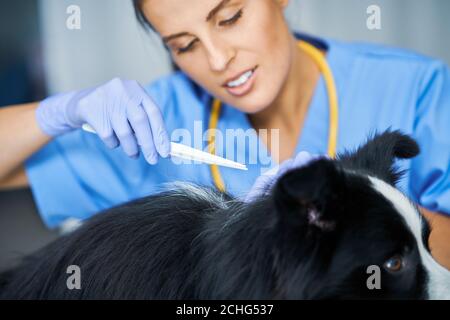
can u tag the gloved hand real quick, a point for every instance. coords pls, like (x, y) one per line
(265, 182)
(121, 113)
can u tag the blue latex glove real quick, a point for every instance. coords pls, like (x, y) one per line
(265, 182)
(121, 113)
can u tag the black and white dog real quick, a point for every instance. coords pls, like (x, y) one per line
(314, 236)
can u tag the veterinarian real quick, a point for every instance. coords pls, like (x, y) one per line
(241, 68)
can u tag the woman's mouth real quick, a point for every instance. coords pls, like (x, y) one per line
(242, 84)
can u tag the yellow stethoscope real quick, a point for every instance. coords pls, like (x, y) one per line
(324, 68)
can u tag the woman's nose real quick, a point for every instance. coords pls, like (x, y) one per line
(219, 55)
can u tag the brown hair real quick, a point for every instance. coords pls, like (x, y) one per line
(139, 12)
(137, 4)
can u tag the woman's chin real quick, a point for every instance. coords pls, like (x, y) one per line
(253, 106)
(253, 103)
(253, 109)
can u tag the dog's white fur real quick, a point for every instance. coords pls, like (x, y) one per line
(438, 277)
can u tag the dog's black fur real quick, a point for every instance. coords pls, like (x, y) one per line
(312, 237)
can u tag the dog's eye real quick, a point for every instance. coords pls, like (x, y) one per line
(394, 264)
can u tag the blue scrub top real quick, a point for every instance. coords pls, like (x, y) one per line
(76, 176)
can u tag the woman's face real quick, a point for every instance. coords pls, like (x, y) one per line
(238, 50)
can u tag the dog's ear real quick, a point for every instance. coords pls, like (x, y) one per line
(377, 156)
(308, 196)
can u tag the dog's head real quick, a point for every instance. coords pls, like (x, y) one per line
(356, 235)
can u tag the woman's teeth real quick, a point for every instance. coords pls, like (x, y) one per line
(242, 79)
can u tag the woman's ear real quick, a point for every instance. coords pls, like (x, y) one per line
(309, 196)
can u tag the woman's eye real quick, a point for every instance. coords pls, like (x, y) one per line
(235, 18)
(187, 48)
(394, 264)
(230, 21)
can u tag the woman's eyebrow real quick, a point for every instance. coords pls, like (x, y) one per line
(173, 36)
(208, 18)
(214, 11)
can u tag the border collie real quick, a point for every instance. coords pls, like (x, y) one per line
(314, 235)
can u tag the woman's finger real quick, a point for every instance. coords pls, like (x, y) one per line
(160, 135)
(104, 131)
(124, 134)
(139, 122)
